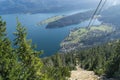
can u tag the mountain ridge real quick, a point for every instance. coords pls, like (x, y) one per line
(42, 6)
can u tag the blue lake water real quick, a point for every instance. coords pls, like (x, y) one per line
(46, 39)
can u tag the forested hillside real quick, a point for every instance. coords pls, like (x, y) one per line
(104, 60)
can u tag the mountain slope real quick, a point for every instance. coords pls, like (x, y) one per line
(111, 16)
(83, 38)
(37, 6)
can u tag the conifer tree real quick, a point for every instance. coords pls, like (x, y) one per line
(113, 65)
(8, 61)
(28, 57)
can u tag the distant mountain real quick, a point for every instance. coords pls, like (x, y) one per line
(36, 6)
(111, 11)
(111, 16)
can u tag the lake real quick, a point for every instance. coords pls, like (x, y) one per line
(46, 39)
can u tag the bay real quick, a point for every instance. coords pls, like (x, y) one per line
(47, 40)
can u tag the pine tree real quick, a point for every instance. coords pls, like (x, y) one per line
(8, 61)
(28, 57)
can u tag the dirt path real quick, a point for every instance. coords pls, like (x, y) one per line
(81, 74)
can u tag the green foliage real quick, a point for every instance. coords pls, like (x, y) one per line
(113, 65)
(103, 59)
(28, 57)
(58, 66)
(58, 73)
(8, 62)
